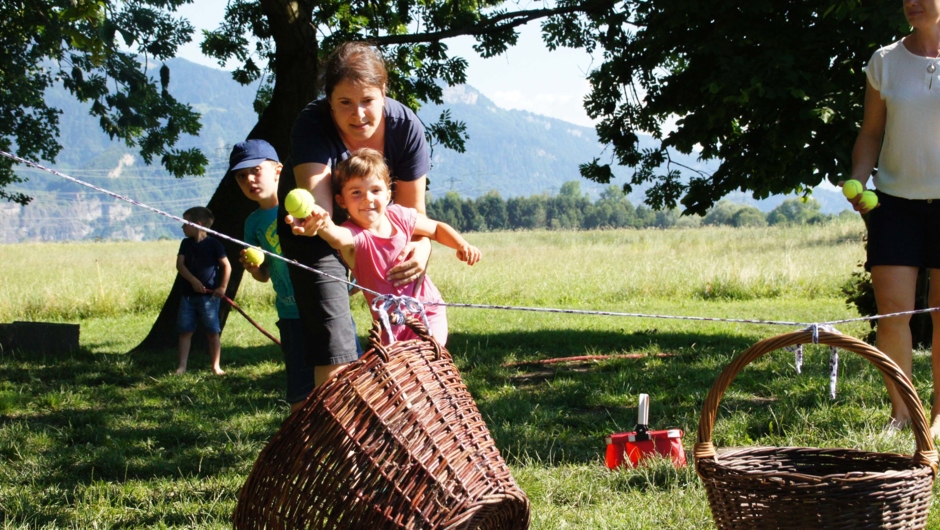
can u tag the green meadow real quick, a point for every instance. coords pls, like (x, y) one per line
(105, 439)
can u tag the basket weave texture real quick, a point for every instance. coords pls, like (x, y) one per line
(393, 441)
(804, 488)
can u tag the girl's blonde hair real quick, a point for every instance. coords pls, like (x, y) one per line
(362, 163)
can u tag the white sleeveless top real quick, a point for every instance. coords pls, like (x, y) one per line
(909, 164)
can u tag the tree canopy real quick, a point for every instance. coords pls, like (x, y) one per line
(78, 43)
(100, 50)
(773, 89)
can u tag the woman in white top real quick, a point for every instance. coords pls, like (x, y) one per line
(900, 134)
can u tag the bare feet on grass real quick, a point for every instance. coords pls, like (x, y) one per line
(896, 425)
(218, 371)
(935, 426)
(179, 371)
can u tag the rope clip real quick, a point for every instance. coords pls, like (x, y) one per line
(391, 310)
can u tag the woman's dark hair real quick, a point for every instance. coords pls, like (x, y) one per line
(355, 62)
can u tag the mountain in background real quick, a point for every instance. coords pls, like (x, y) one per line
(510, 151)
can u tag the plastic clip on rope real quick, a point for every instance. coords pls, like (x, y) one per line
(392, 308)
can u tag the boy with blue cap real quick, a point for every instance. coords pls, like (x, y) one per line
(255, 166)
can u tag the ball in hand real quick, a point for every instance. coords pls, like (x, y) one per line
(254, 256)
(868, 200)
(299, 202)
(851, 188)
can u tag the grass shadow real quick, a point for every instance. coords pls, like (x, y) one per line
(90, 417)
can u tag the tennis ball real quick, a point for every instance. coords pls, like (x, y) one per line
(254, 256)
(868, 200)
(299, 203)
(851, 188)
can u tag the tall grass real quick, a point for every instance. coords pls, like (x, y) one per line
(615, 269)
(75, 281)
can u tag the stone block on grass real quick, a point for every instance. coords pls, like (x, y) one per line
(43, 338)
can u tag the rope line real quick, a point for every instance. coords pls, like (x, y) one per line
(399, 306)
(180, 219)
(238, 308)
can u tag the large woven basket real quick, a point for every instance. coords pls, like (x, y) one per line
(393, 441)
(807, 488)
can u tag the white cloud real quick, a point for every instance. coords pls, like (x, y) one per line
(126, 161)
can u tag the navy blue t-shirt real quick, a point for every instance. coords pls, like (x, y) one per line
(202, 261)
(315, 139)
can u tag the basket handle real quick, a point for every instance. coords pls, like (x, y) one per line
(925, 454)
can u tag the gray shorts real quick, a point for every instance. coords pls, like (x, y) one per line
(323, 303)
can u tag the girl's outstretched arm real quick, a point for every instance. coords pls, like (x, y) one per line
(338, 237)
(445, 234)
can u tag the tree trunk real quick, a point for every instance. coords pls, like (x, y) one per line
(296, 84)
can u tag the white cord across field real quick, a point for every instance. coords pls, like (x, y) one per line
(397, 306)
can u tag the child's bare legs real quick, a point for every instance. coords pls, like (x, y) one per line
(182, 350)
(215, 352)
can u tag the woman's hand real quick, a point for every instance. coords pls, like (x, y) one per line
(856, 201)
(414, 263)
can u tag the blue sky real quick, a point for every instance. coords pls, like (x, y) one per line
(527, 77)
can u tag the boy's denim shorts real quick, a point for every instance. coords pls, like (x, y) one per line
(198, 308)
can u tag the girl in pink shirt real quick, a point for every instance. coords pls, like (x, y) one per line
(371, 241)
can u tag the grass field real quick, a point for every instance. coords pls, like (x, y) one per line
(104, 439)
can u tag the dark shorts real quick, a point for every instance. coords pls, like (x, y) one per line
(323, 303)
(904, 232)
(198, 308)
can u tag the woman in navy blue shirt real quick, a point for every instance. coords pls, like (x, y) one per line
(355, 114)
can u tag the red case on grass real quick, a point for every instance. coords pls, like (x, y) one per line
(643, 443)
(623, 447)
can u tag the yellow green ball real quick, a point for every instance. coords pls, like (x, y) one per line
(868, 200)
(851, 188)
(299, 203)
(254, 256)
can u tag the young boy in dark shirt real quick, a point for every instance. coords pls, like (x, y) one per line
(202, 262)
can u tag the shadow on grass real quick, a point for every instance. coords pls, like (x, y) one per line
(89, 416)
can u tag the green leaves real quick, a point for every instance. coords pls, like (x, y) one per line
(772, 89)
(73, 42)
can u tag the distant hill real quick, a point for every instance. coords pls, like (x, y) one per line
(512, 152)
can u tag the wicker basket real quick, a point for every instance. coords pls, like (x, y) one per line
(806, 488)
(393, 441)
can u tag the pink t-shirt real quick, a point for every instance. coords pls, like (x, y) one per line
(375, 255)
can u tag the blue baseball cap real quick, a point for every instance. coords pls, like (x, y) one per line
(250, 153)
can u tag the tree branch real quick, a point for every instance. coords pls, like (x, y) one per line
(490, 25)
